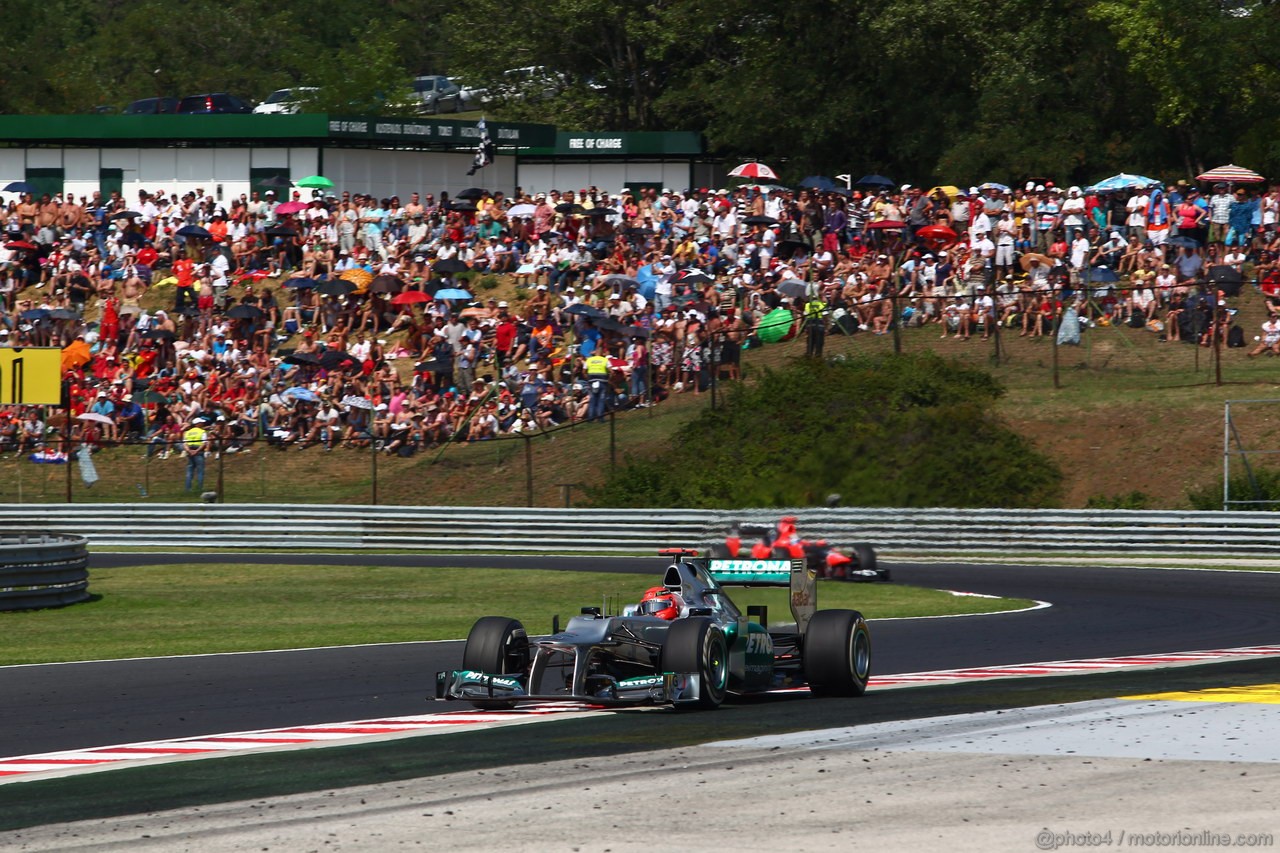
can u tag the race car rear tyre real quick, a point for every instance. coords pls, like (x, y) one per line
(865, 556)
(697, 645)
(497, 645)
(837, 653)
(781, 553)
(720, 551)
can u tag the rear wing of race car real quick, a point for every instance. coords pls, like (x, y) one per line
(802, 581)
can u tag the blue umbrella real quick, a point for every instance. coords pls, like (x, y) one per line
(1103, 274)
(1183, 242)
(194, 231)
(648, 281)
(452, 293)
(874, 181)
(298, 392)
(1122, 181)
(992, 185)
(21, 187)
(819, 182)
(300, 283)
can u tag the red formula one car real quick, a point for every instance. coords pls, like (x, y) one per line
(784, 543)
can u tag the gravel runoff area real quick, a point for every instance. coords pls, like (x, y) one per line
(1105, 773)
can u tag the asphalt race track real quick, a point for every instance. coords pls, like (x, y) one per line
(1097, 612)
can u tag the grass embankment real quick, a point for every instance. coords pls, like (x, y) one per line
(199, 609)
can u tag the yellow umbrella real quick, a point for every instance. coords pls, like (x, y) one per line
(946, 189)
(359, 277)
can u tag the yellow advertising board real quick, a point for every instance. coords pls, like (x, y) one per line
(31, 376)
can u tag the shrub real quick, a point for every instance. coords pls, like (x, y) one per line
(1242, 489)
(907, 430)
(1130, 500)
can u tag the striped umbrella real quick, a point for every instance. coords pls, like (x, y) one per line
(1232, 174)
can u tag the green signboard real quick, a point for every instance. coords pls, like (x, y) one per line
(624, 144)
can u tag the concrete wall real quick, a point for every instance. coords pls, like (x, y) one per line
(609, 177)
(224, 172)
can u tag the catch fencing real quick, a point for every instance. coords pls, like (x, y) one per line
(644, 531)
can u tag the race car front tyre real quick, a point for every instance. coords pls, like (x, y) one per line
(865, 556)
(837, 653)
(697, 645)
(497, 645)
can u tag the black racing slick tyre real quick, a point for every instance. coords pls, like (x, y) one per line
(781, 554)
(697, 645)
(497, 645)
(720, 551)
(865, 556)
(837, 653)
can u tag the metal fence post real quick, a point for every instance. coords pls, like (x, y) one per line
(613, 443)
(222, 453)
(528, 469)
(373, 455)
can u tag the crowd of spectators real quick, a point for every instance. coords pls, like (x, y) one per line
(333, 319)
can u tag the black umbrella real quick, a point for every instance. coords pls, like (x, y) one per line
(335, 358)
(448, 266)
(386, 284)
(571, 209)
(820, 182)
(464, 206)
(302, 358)
(432, 366)
(788, 248)
(335, 287)
(471, 193)
(792, 287)
(620, 282)
(1183, 242)
(62, 314)
(194, 231)
(760, 220)
(875, 181)
(187, 311)
(158, 335)
(21, 187)
(280, 231)
(278, 182)
(245, 312)
(601, 211)
(1225, 274)
(585, 310)
(123, 214)
(35, 314)
(610, 325)
(300, 283)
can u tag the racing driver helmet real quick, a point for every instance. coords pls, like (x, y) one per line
(661, 602)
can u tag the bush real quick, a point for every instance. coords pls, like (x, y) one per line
(1242, 488)
(488, 282)
(907, 430)
(1131, 500)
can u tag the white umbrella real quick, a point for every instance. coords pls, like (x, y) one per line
(95, 417)
(354, 402)
(521, 210)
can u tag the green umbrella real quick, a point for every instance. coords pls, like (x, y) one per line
(316, 182)
(775, 325)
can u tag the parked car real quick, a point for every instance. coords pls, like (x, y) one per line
(437, 94)
(152, 106)
(285, 101)
(212, 104)
(533, 83)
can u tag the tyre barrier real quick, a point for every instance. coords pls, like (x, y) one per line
(42, 570)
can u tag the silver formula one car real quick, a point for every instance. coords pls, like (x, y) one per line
(687, 644)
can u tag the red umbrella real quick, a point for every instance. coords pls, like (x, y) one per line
(409, 297)
(754, 170)
(288, 207)
(21, 244)
(886, 224)
(937, 234)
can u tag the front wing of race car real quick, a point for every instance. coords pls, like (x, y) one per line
(667, 688)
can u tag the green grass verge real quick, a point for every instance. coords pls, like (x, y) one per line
(195, 609)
